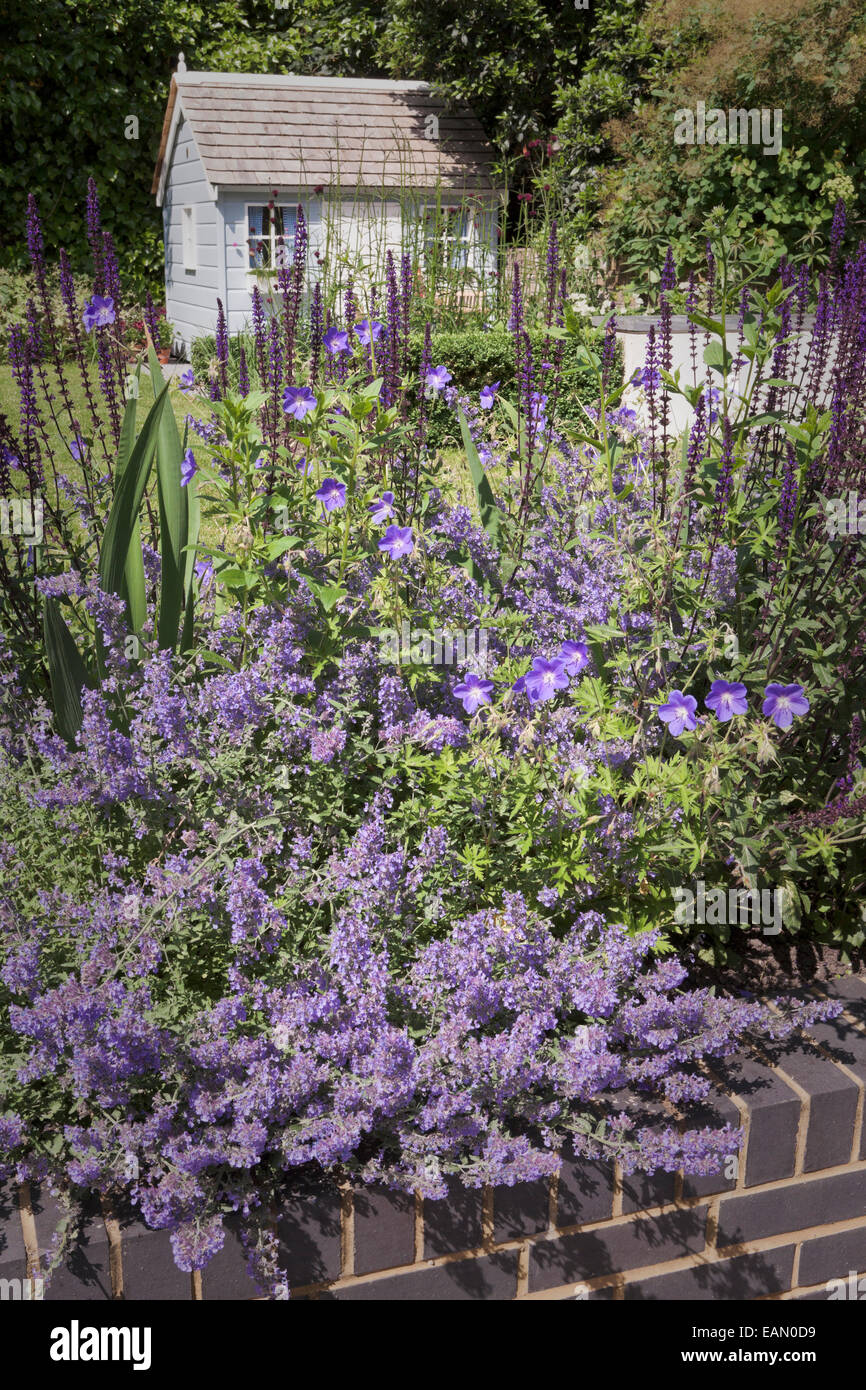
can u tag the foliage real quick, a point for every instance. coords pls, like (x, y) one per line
(805, 59)
(316, 888)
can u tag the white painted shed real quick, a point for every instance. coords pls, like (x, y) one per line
(373, 163)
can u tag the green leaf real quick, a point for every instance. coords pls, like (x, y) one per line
(193, 512)
(711, 325)
(133, 585)
(491, 517)
(66, 670)
(123, 516)
(173, 517)
(718, 358)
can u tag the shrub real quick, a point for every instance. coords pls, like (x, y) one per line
(281, 893)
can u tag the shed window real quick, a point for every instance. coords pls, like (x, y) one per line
(188, 235)
(270, 236)
(448, 235)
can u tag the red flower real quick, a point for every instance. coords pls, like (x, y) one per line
(319, 188)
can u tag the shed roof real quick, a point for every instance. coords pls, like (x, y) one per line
(271, 130)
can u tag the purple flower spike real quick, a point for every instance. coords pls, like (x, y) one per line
(574, 656)
(437, 378)
(782, 702)
(332, 494)
(368, 332)
(544, 678)
(98, 312)
(679, 712)
(298, 401)
(488, 395)
(382, 510)
(727, 699)
(188, 468)
(472, 691)
(398, 541)
(204, 571)
(336, 340)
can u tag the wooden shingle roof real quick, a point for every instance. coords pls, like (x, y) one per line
(303, 131)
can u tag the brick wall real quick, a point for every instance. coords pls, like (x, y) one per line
(791, 1219)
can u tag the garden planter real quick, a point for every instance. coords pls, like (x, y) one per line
(787, 1217)
(632, 331)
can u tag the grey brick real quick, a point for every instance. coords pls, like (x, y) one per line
(717, 1111)
(645, 1241)
(308, 1228)
(745, 1276)
(225, 1277)
(85, 1274)
(642, 1190)
(585, 1192)
(833, 1256)
(487, 1278)
(851, 988)
(384, 1229)
(521, 1210)
(774, 1114)
(13, 1255)
(845, 1044)
(149, 1270)
(454, 1223)
(797, 1207)
(832, 1105)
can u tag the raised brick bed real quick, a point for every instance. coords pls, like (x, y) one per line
(791, 1219)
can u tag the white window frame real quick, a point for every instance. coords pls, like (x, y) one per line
(446, 240)
(188, 229)
(273, 268)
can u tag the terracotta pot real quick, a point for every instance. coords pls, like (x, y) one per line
(163, 355)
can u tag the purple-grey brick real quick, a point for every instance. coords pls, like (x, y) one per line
(774, 1115)
(744, 1277)
(384, 1229)
(13, 1255)
(796, 1207)
(308, 1228)
(715, 1112)
(225, 1277)
(833, 1256)
(85, 1273)
(642, 1190)
(645, 1241)
(584, 1193)
(832, 1105)
(454, 1223)
(149, 1270)
(845, 1044)
(521, 1210)
(486, 1278)
(851, 988)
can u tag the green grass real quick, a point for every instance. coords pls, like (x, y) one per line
(455, 478)
(58, 435)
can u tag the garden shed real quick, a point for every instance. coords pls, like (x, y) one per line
(376, 165)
